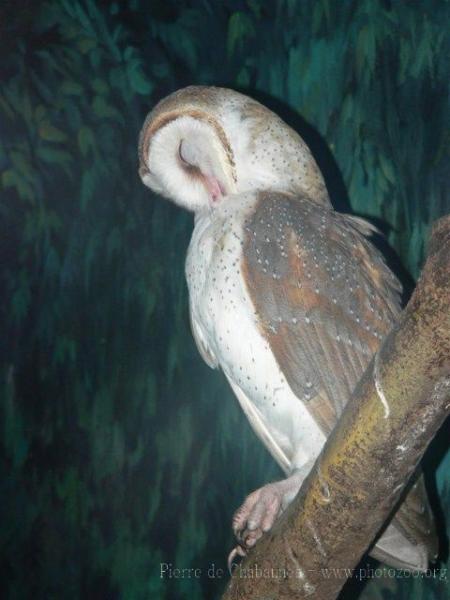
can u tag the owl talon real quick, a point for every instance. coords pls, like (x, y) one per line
(261, 509)
(237, 551)
(257, 515)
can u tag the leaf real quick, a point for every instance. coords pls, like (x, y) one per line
(366, 49)
(149, 305)
(100, 86)
(243, 78)
(86, 44)
(86, 140)
(317, 17)
(387, 168)
(89, 258)
(117, 78)
(71, 88)
(172, 359)
(136, 455)
(50, 133)
(22, 164)
(240, 26)
(26, 107)
(20, 300)
(6, 108)
(114, 243)
(13, 178)
(104, 110)
(55, 157)
(128, 53)
(9, 178)
(95, 56)
(40, 112)
(347, 108)
(87, 189)
(405, 56)
(14, 439)
(65, 350)
(138, 81)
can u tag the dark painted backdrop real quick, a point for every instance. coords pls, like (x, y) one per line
(119, 449)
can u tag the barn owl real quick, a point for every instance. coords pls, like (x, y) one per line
(287, 297)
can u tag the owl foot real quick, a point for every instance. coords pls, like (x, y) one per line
(237, 551)
(260, 511)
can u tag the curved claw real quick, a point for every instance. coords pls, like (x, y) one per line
(237, 551)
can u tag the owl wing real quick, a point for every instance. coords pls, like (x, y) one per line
(325, 299)
(202, 345)
(323, 296)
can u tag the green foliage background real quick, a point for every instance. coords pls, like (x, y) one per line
(119, 449)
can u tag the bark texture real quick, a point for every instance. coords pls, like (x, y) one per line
(357, 481)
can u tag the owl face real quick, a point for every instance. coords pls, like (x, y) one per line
(201, 144)
(186, 161)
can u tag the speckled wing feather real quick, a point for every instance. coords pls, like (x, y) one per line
(324, 299)
(323, 295)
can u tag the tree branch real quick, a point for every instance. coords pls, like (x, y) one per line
(401, 401)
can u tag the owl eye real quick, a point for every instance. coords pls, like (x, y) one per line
(180, 154)
(193, 169)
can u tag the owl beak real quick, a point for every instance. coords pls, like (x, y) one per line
(215, 189)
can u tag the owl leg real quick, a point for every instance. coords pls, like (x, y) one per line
(262, 507)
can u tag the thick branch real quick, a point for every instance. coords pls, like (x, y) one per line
(398, 406)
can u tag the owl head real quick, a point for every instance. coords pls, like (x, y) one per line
(201, 144)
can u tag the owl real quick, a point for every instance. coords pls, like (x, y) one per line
(287, 296)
